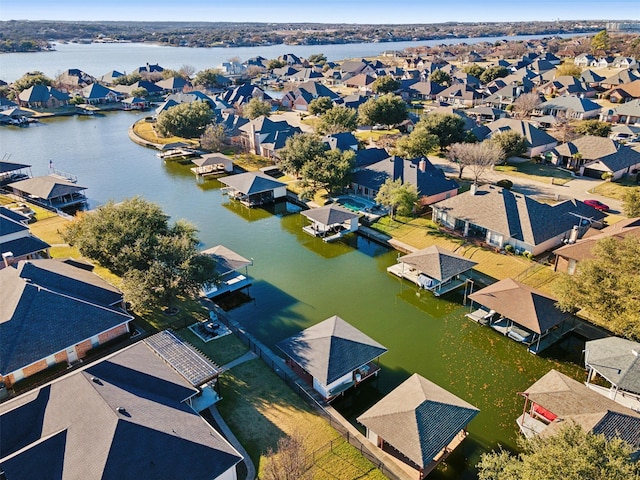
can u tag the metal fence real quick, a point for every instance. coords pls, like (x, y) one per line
(295, 383)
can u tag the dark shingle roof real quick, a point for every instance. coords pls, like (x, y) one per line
(329, 214)
(23, 246)
(419, 418)
(78, 420)
(226, 259)
(331, 349)
(616, 359)
(46, 187)
(250, 183)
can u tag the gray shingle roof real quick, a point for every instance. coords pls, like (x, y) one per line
(535, 137)
(515, 215)
(605, 150)
(331, 349)
(419, 418)
(46, 187)
(524, 305)
(616, 359)
(437, 262)
(157, 435)
(329, 214)
(226, 259)
(11, 167)
(250, 183)
(23, 246)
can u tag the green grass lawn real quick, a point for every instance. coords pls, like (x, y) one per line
(536, 171)
(251, 162)
(375, 135)
(260, 408)
(615, 189)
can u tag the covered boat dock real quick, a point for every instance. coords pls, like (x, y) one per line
(229, 268)
(330, 222)
(212, 164)
(253, 188)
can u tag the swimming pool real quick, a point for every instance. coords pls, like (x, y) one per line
(351, 204)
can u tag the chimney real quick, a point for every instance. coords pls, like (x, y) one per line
(252, 140)
(474, 188)
(7, 257)
(573, 235)
(422, 165)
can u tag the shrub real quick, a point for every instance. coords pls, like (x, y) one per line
(527, 254)
(509, 248)
(606, 176)
(504, 183)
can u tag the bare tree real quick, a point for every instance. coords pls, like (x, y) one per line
(564, 127)
(187, 71)
(477, 157)
(525, 104)
(289, 461)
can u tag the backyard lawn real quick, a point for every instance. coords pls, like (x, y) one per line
(615, 189)
(375, 135)
(146, 131)
(536, 171)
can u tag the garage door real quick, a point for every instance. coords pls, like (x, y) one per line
(590, 172)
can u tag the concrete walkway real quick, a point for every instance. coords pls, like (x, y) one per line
(228, 434)
(240, 360)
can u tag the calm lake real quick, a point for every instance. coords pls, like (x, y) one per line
(298, 280)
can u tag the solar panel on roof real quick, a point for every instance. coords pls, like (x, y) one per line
(187, 361)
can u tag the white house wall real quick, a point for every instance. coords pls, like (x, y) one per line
(280, 192)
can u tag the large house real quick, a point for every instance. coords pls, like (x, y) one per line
(501, 217)
(594, 156)
(264, 137)
(430, 181)
(16, 241)
(538, 141)
(129, 416)
(52, 312)
(41, 96)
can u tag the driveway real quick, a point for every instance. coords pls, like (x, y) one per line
(578, 188)
(294, 120)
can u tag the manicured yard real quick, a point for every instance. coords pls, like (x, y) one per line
(375, 135)
(251, 162)
(146, 131)
(536, 171)
(260, 408)
(615, 189)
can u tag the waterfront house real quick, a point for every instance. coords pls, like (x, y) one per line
(570, 255)
(53, 312)
(96, 93)
(557, 400)
(128, 416)
(173, 84)
(431, 183)
(12, 172)
(538, 141)
(109, 78)
(330, 222)
(6, 104)
(617, 361)
(434, 268)
(523, 314)
(253, 188)
(232, 271)
(500, 217)
(50, 191)
(73, 78)
(332, 356)
(16, 240)
(42, 96)
(264, 136)
(594, 156)
(419, 423)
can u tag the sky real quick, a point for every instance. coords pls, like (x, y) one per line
(327, 11)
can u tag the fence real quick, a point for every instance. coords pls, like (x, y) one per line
(307, 394)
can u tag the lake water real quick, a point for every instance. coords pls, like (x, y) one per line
(99, 58)
(300, 280)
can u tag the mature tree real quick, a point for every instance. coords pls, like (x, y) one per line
(419, 143)
(320, 105)
(631, 199)
(331, 171)
(477, 157)
(600, 42)
(491, 73)
(129, 79)
(317, 58)
(570, 454)
(386, 110)
(607, 286)
(526, 103)
(208, 78)
(289, 461)
(300, 149)
(474, 69)
(385, 84)
(256, 108)
(512, 143)
(569, 69)
(186, 120)
(593, 127)
(338, 119)
(134, 240)
(440, 77)
(400, 198)
(276, 63)
(213, 138)
(30, 79)
(139, 92)
(449, 128)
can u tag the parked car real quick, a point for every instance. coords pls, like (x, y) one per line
(597, 205)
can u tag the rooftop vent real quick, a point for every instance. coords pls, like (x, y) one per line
(122, 410)
(96, 380)
(634, 352)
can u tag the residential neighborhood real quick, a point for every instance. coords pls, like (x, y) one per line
(301, 267)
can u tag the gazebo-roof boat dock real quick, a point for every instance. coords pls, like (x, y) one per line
(176, 151)
(13, 172)
(50, 191)
(330, 222)
(229, 267)
(212, 164)
(434, 268)
(521, 313)
(253, 189)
